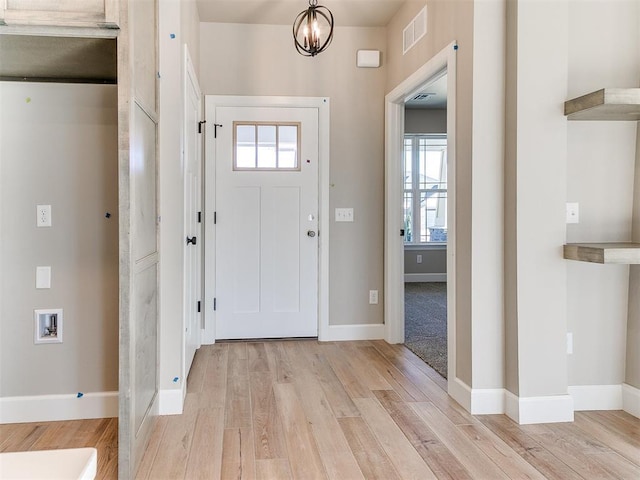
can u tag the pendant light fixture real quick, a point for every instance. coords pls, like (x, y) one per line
(313, 29)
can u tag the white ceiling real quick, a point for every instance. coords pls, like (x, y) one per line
(437, 96)
(355, 13)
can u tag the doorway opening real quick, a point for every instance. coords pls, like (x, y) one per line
(425, 223)
(420, 211)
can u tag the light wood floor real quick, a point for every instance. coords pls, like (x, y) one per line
(348, 410)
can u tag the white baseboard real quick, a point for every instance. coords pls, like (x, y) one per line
(478, 401)
(50, 408)
(631, 400)
(487, 401)
(335, 333)
(170, 401)
(549, 409)
(460, 392)
(425, 277)
(596, 397)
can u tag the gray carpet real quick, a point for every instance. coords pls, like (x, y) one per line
(425, 323)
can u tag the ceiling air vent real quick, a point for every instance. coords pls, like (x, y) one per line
(422, 97)
(415, 30)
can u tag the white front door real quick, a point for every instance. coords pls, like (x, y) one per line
(193, 216)
(266, 222)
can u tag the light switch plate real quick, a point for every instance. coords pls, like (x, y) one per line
(344, 214)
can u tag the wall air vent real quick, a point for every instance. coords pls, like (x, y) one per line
(415, 30)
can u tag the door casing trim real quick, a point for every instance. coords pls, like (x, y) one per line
(323, 106)
(394, 244)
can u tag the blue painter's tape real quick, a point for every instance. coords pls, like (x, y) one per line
(172, 35)
(80, 394)
(175, 379)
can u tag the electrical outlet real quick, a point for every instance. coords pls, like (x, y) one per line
(418, 258)
(373, 297)
(43, 215)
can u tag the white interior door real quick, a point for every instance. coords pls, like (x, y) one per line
(266, 222)
(193, 215)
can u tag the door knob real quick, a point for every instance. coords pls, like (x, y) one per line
(311, 233)
(191, 240)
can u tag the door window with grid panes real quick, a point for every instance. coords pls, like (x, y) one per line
(425, 189)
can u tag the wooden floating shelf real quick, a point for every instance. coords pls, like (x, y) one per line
(605, 104)
(619, 253)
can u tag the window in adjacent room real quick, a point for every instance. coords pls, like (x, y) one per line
(425, 189)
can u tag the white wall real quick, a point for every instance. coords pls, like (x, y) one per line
(58, 146)
(260, 60)
(601, 159)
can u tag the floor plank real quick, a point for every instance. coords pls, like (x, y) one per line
(404, 457)
(534, 453)
(205, 455)
(505, 457)
(403, 387)
(175, 445)
(350, 381)
(238, 393)
(338, 460)
(273, 469)
(157, 433)
(470, 457)
(238, 460)
(443, 463)
(336, 395)
(372, 459)
(268, 432)
(595, 430)
(304, 457)
(277, 357)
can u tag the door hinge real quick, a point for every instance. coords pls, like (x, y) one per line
(402, 232)
(199, 306)
(215, 129)
(215, 304)
(215, 218)
(200, 125)
(199, 217)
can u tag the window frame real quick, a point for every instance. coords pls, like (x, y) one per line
(415, 189)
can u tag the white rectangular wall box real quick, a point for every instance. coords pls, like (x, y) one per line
(573, 212)
(48, 325)
(43, 277)
(368, 58)
(344, 214)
